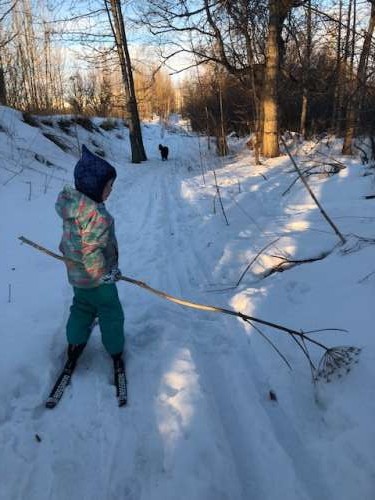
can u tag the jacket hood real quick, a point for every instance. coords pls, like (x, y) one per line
(91, 174)
(71, 204)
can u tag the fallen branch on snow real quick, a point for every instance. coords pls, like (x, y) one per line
(334, 359)
(322, 211)
(247, 268)
(324, 169)
(286, 264)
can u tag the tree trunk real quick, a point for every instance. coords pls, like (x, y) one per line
(336, 98)
(278, 10)
(343, 82)
(3, 92)
(305, 78)
(118, 29)
(355, 102)
(256, 99)
(221, 138)
(270, 143)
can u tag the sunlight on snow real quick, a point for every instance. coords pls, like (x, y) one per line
(178, 396)
(298, 225)
(270, 260)
(247, 301)
(188, 191)
(226, 257)
(344, 172)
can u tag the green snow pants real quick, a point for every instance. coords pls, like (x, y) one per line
(101, 302)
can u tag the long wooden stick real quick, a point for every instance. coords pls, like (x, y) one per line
(188, 303)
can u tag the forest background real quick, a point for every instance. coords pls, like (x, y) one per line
(240, 67)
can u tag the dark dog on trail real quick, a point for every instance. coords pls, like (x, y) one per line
(164, 151)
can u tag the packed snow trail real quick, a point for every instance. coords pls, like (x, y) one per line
(199, 422)
(207, 344)
(174, 359)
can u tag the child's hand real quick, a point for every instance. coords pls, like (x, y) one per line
(112, 276)
(116, 274)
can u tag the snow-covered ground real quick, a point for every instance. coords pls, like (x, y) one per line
(200, 423)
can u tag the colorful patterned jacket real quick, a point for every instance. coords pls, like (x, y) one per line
(88, 240)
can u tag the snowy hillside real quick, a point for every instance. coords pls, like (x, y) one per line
(200, 423)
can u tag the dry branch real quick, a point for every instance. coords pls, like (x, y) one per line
(349, 353)
(322, 211)
(286, 264)
(253, 260)
(219, 196)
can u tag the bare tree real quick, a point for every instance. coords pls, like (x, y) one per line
(225, 34)
(278, 11)
(241, 36)
(337, 98)
(118, 28)
(78, 93)
(356, 100)
(31, 66)
(305, 74)
(6, 7)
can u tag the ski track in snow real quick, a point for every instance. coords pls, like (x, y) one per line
(168, 216)
(199, 424)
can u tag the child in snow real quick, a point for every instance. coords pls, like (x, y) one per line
(90, 246)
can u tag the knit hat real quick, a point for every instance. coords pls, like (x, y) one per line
(91, 175)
